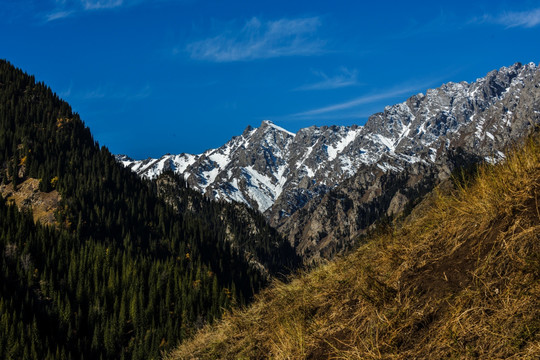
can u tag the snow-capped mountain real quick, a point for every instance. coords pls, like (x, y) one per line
(262, 163)
(278, 172)
(428, 137)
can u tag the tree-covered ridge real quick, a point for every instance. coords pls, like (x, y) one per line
(123, 275)
(245, 229)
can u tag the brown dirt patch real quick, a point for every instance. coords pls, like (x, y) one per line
(28, 197)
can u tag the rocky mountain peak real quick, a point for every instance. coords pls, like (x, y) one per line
(247, 130)
(268, 124)
(277, 172)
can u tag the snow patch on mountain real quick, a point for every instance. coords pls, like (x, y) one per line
(334, 151)
(278, 128)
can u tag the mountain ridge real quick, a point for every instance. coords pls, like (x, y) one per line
(278, 172)
(506, 107)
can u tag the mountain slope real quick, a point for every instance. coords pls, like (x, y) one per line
(278, 172)
(459, 279)
(452, 127)
(331, 224)
(121, 274)
(245, 229)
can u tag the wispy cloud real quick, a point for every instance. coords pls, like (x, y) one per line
(69, 8)
(261, 40)
(112, 92)
(101, 4)
(344, 78)
(525, 19)
(362, 100)
(66, 93)
(58, 14)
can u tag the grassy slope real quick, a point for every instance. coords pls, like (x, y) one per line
(461, 280)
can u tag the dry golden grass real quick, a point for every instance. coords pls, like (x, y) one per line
(28, 197)
(461, 281)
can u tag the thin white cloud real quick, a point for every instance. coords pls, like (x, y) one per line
(95, 94)
(525, 19)
(333, 117)
(261, 40)
(59, 14)
(66, 93)
(69, 8)
(345, 78)
(101, 4)
(362, 100)
(112, 92)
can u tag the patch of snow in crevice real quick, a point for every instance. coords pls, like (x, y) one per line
(210, 177)
(432, 154)
(479, 130)
(150, 166)
(386, 167)
(281, 180)
(222, 160)
(334, 151)
(347, 166)
(183, 161)
(309, 171)
(385, 141)
(269, 123)
(236, 194)
(261, 188)
(300, 162)
(406, 129)
(411, 159)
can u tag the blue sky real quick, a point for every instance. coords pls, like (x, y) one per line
(171, 76)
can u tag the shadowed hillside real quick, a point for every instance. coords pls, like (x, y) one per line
(459, 279)
(121, 274)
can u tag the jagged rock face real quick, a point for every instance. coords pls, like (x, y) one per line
(481, 116)
(330, 224)
(428, 137)
(278, 172)
(262, 164)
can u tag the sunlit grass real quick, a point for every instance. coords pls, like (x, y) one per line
(459, 281)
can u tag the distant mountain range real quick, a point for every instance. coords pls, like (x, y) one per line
(278, 172)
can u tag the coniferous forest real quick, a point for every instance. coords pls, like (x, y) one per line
(122, 274)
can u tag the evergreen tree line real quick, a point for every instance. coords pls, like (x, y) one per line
(245, 229)
(122, 274)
